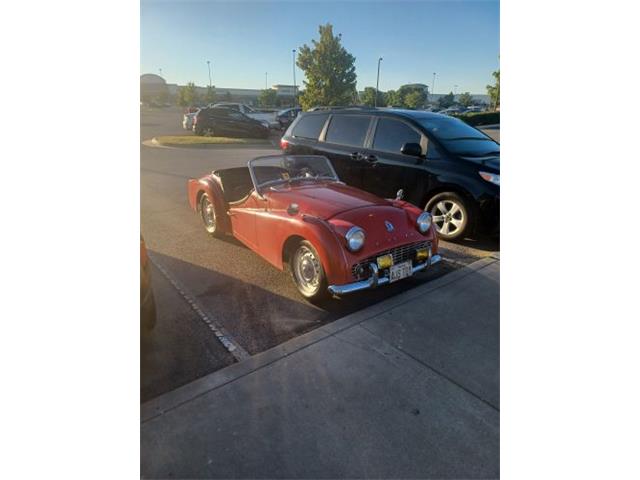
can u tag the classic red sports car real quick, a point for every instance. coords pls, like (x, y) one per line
(294, 212)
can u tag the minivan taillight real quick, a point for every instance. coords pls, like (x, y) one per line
(283, 144)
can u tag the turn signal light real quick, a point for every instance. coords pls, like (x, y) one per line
(283, 144)
(385, 261)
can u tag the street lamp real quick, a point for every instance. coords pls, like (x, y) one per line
(209, 67)
(265, 80)
(375, 100)
(455, 88)
(433, 84)
(295, 90)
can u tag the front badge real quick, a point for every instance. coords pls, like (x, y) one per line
(389, 226)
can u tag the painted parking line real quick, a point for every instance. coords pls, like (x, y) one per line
(233, 347)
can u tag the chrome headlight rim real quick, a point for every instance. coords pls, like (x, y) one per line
(423, 222)
(352, 237)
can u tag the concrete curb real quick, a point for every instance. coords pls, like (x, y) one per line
(155, 143)
(158, 406)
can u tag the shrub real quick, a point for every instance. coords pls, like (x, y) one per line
(480, 118)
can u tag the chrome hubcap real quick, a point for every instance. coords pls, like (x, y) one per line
(208, 215)
(448, 217)
(307, 270)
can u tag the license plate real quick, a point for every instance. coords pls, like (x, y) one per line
(400, 271)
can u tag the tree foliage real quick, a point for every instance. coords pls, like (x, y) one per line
(465, 99)
(494, 90)
(329, 70)
(267, 98)
(446, 101)
(210, 95)
(368, 97)
(187, 95)
(412, 96)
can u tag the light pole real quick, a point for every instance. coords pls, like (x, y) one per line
(455, 88)
(209, 67)
(295, 90)
(433, 85)
(265, 80)
(375, 100)
(160, 70)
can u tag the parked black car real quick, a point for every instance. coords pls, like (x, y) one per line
(287, 116)
(225, 122)
(439, 162)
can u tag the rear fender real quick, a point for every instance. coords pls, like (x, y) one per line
(210, 186)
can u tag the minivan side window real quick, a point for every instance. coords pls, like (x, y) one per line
(310, 126)
(348, 130)
(391, 135)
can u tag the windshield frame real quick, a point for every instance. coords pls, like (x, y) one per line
(259, 187)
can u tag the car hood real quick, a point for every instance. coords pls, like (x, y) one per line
(491, 161)
(323, 200)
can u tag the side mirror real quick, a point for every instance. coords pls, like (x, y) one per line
(412, 149)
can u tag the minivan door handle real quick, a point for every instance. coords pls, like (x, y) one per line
(370, 158)
(356, 156)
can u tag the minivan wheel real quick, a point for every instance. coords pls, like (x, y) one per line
(451, 215)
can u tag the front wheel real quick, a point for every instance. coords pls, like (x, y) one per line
(451, 215)
(307, 272)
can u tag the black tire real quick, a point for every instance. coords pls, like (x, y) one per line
(452, 215)
(320, 291)
(207, 208)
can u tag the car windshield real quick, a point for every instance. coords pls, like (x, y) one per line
(459, 138)
(278, 169)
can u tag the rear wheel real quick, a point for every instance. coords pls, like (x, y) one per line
(208, 215)
(451, 215)
(307, 272)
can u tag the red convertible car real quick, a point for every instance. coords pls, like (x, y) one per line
(293, 211)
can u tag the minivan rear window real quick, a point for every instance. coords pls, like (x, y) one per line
(309, 126)
(348, 130)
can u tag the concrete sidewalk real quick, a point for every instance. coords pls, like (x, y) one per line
(406, 388)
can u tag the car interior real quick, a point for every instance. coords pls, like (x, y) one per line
(236, 183)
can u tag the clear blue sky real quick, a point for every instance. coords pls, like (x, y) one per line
(457, 39)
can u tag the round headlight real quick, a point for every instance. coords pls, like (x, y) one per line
(355, 238)
(424, 222)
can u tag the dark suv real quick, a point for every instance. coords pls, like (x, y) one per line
(440, 163)
(225, 122)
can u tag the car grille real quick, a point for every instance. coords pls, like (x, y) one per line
(400, 254)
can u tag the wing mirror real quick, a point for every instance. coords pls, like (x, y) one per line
(412, 149)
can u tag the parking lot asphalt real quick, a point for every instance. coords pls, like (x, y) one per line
(256, 304)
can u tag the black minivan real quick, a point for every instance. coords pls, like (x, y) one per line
(439, 162)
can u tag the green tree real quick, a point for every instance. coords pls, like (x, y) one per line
(187, 95)
(392, 99)
(446, 101)
(411, 96)
(210, 95)
(494, 90)
(329, 70)
(465, 99)
(369, 96)
(267, 98)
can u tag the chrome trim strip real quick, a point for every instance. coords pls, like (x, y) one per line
(375, 280)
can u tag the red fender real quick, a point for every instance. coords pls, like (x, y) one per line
(211, 186)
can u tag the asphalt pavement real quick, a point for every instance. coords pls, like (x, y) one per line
(256, 305)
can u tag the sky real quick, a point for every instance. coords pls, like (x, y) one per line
(459, 40)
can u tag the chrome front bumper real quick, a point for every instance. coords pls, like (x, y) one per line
(375, 279)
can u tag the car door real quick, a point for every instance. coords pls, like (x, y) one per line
(243, 219)
(386, 169)
(343, 143)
